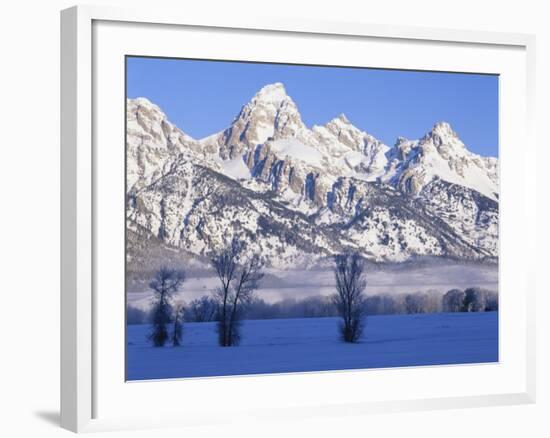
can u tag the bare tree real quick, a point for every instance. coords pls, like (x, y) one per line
(164, 285)
(177, 331)
(238, 283)
(350, 275)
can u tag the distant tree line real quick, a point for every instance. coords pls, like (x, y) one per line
(203, 309)
(473, 299)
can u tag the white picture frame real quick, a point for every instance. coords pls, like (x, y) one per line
(84, 372)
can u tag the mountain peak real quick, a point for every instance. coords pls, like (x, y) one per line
(443, 135)
(342, 122)
(272, 93)
(144, 102)
(342, 117)
(400, 140)
(443, 129)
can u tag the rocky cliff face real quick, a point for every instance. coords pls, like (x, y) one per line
(295, 194)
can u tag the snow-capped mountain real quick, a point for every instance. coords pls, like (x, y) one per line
(296, 194)
(440, 153)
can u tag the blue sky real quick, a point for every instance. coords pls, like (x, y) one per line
(203, 97)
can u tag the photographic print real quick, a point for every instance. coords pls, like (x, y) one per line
(297, 218)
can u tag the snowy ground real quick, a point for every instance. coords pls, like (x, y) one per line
(297, 345)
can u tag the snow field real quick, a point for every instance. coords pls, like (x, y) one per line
(312, 344)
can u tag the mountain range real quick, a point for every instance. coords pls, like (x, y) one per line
(296, 195)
